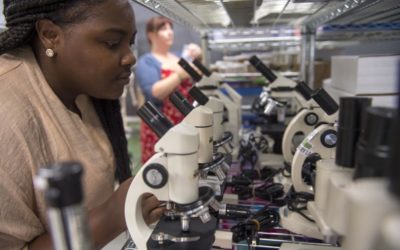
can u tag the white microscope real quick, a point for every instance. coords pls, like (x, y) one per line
(232, 100)
(280, 89)
(222, 139)
(302, 124)
(279, 99)
(369, 204)
(172, 176)
(361, 206)
(319, 144)
(349, 127)
(305, 121)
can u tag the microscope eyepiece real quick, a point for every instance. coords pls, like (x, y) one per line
(349, 128)
(199, 96)
(181, 103)
(192, 72)
(154, 119)
(325, 101)
(262, 68)
(304, 90)
(394, 171)
(201, 67)
(374, 148)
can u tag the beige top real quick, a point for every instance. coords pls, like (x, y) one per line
(37, 129)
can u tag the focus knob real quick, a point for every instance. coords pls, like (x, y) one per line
(155, 176)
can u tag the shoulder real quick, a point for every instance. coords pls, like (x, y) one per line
(148, 59)
(15, 94)
(9, 62)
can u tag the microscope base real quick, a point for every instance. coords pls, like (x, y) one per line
(289, 246)
(295, 223)
(206, 231)
(329, 235)
(270, 160)
(285, 181)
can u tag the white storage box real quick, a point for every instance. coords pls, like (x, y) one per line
(379, 100)
(366, 74)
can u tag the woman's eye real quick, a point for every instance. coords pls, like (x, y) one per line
(111, 45)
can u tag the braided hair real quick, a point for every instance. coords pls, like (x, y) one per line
(21, 17)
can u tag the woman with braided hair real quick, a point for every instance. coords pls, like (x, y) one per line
(63, 66)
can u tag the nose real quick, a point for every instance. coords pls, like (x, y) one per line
(128, 59)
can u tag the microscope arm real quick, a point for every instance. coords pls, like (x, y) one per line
(302, 124)
(137, 227)
(321, 141)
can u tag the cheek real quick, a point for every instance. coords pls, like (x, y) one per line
(91, 72)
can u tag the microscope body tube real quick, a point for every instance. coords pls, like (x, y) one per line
(217, 108)
(201, 67)
(61, 183)
(182, 158)
(181, 103)
(156, 120)
(231, 99)
(170, 175)
(202, 119)
(213, 103)
(327, 103)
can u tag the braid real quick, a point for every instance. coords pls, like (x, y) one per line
(14, 38)
(109, 112)
(21, 17)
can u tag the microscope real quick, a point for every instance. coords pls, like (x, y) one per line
(277, 101)
(302, 124)
(62, 187)
(280, 89)
(369, 202)
(222, 139)
(389, 227)
(209, 160)
(171, 175)
(232, 100)
(349, 126)
(361, 206)
(319, 144)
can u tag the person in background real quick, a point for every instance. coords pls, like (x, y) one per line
(63, 66)
(159, 74)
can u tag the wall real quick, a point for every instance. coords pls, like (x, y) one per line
(2, 21)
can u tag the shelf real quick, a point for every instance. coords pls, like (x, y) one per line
(357, 12)
(235, 14)
(175, 11)
(360, 35)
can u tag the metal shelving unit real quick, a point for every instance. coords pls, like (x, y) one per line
(350, 20)
(254, 23)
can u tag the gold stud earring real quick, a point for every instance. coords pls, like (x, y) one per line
(50, 53)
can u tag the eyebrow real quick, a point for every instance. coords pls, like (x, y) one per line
(121, 32)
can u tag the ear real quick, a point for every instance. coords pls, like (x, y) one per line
(49, 34)
(151, 36)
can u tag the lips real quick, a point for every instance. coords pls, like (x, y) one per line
(124, 77)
